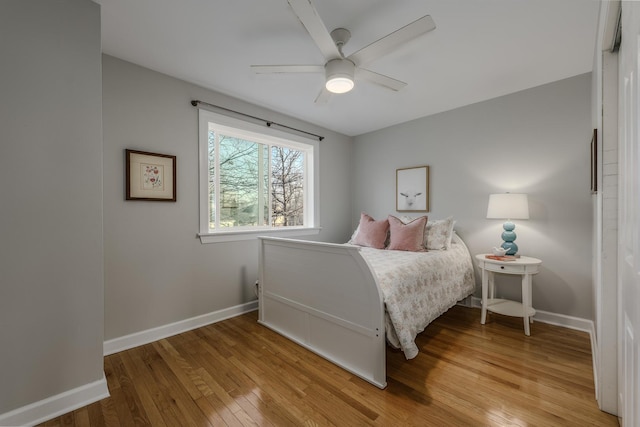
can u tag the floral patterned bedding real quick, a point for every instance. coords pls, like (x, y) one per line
(418, 287)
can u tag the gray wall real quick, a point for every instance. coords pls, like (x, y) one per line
(535, 141)
(51, 260)
(156, 271)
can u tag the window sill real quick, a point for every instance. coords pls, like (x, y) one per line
(232, 236)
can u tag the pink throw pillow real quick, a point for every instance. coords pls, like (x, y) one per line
(371, 233)
(407, 237)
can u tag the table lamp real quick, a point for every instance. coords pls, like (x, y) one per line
(508, 206)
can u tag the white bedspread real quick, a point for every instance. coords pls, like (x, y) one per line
(418, 287)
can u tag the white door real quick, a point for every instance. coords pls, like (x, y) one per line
(629, 231)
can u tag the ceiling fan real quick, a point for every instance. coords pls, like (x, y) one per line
(340, 71)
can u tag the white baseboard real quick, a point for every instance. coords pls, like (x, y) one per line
(595, 356)
(563, 320)
(150, 335)
(467, 302)
(54, 406)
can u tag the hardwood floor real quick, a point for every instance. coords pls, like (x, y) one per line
(239, 373)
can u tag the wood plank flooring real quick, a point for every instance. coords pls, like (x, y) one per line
(238, 373)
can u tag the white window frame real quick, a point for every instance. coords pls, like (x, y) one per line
(266, 135)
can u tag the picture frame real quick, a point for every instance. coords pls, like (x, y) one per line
(150, 176)
(594, 162)
(412, 189)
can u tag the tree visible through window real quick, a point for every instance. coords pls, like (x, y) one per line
(254, 182)
(287, 186)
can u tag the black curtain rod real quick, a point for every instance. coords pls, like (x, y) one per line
(269, 123)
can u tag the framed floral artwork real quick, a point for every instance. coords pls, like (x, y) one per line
(150, 176)
(412, 189)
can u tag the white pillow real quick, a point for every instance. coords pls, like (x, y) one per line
(353, 236)
(439, 233)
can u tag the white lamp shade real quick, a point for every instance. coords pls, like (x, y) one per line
(508, 206)
(339, 75)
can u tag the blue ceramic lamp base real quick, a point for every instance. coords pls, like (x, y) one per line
(508, 235)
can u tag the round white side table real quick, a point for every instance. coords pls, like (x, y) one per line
(523, 266)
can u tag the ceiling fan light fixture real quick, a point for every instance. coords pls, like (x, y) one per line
(339, 75)
(339, 84)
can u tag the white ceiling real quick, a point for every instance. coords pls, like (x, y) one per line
(479, 50)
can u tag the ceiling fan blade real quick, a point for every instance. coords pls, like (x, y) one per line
(270, 69)
(392, 41)
(323, 97)
(308, 15)
(379, 79)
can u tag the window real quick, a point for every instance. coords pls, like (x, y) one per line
(254, 180)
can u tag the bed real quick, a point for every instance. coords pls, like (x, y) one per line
(346, 302)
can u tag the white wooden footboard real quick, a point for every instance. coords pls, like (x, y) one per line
(324, 297)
